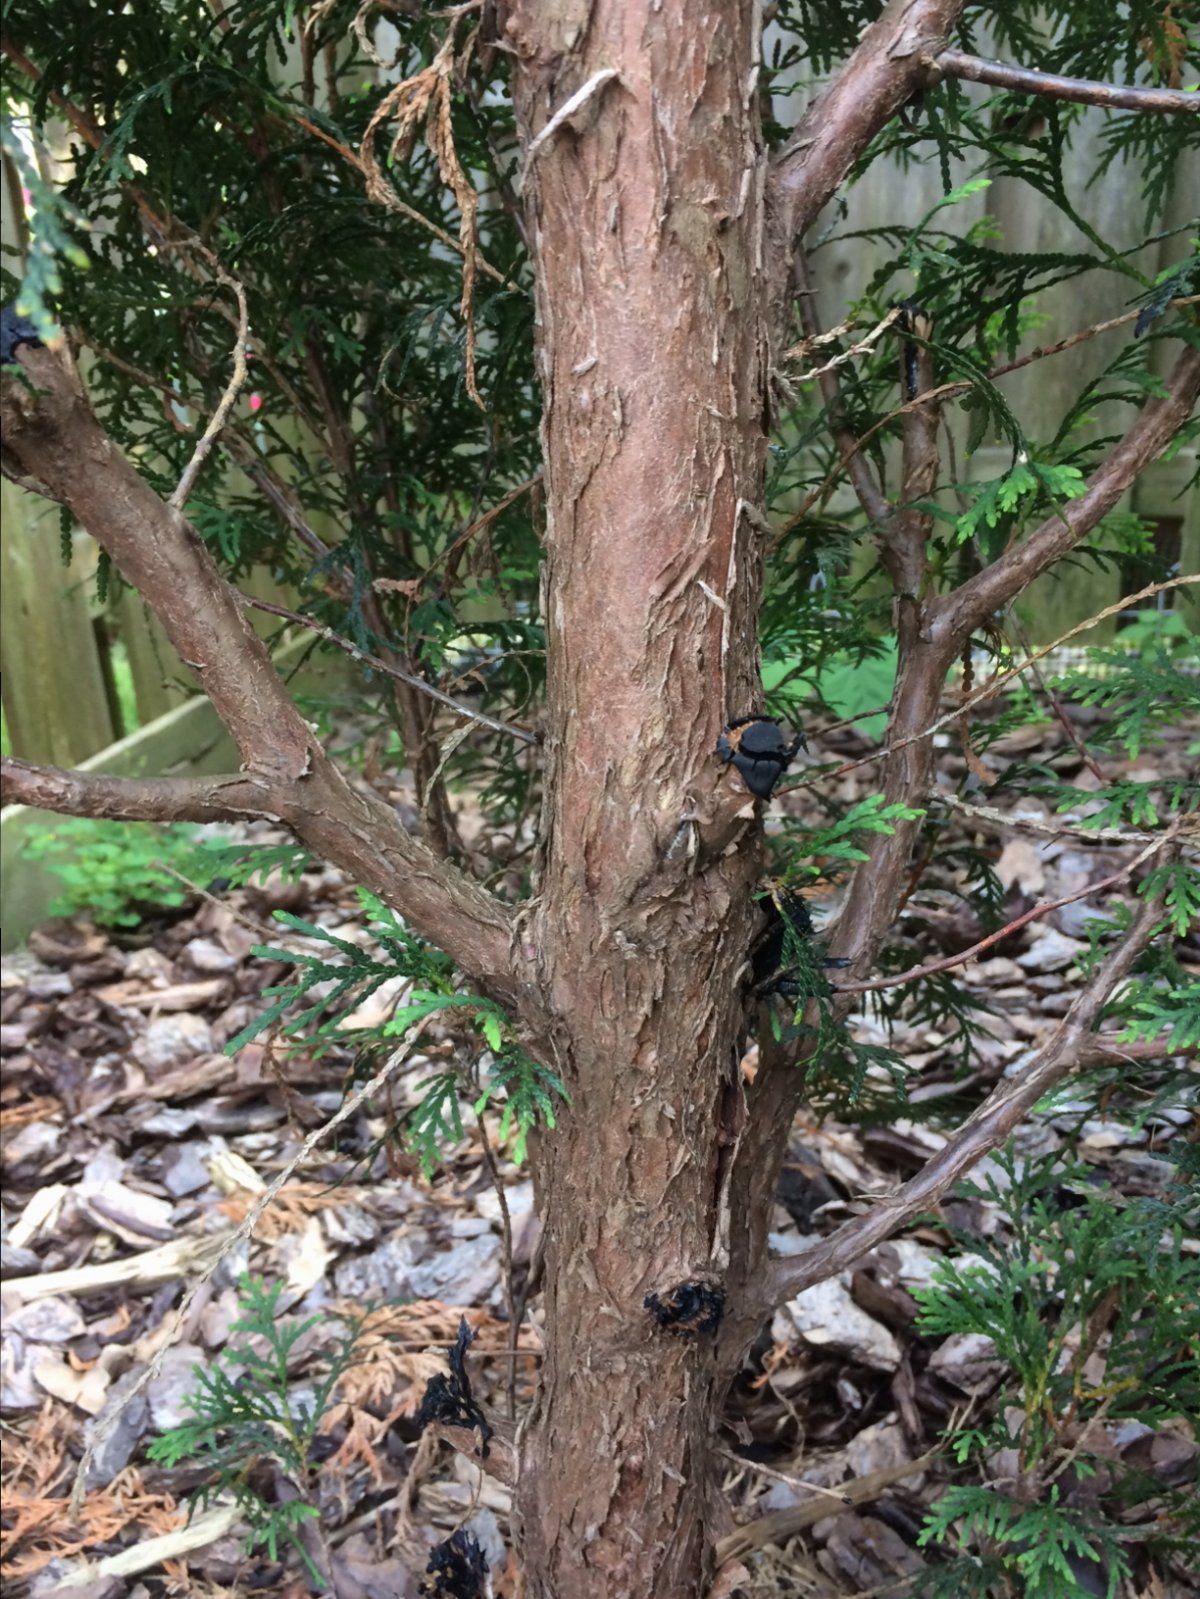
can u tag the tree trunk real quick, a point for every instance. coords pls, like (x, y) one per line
(645, 213)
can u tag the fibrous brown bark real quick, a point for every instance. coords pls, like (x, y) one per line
(645, 215)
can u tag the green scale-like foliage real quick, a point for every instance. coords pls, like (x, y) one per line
(1094, 1309)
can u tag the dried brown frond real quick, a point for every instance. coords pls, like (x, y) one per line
(290, 1209)
(425, 98)
(393, 1362)
(39, 1109)
(38, 1526)
(1167, 53)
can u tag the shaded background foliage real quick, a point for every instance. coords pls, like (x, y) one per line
(360, 470)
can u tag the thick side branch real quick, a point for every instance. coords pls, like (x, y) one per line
(956, 615)
(135, 799)
(1083, 91)
(52, 435)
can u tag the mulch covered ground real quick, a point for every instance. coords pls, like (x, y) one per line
(133, 1147)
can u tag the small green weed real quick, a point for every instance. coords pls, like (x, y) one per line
(246, 1417)
(113, 870)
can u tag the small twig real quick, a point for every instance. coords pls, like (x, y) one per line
(1033, 824)
(379, 665)
(1057, 707)
(759, 1470)
(232, 389)
(864, 344)
(985, 1129)
(482, 522)
(781, 1524)
(103, 1426)
(251, 926)
(849, 721)
(1082, 91)
(915, 973)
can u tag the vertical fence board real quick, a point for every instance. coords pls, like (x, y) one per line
(55, 702)
(159, 680)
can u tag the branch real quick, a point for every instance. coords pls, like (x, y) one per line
(946, 391)
(889, 66)
(1034, 824)
(870, 496)
(995, 684)
(51, 433)
(915, 973)
(135, 799)
(1084, 91)
(783, 1524)
(957, 614)
(500, 1461)
(984, 1131)
(232, 389)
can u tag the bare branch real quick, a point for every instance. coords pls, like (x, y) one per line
(1034, 824)
(135, 799)
(956, 615)
(783, 1524)
(995, 684)
(862, 478)
(945, 391)
(984, 1131)
(232, 389)
(888, 67)
(1083, 91)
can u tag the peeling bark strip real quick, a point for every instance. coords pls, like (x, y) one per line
(645, 211)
